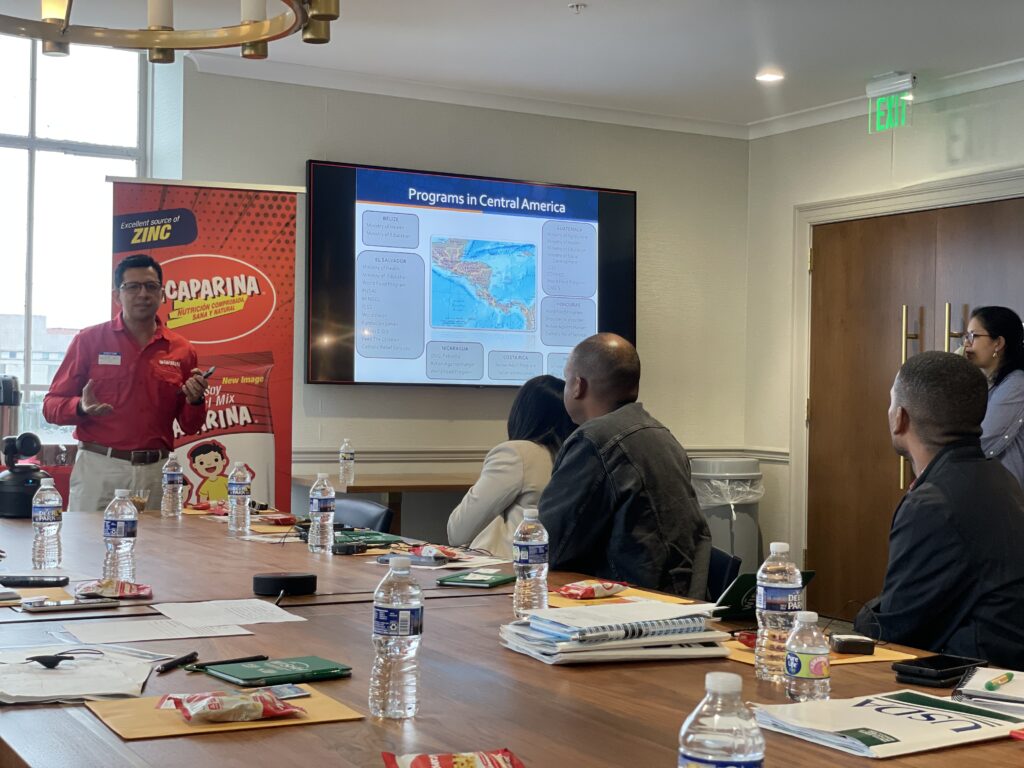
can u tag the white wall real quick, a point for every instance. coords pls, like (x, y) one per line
(957, 136)
(692, 212)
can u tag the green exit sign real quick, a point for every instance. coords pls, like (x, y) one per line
(890, 112)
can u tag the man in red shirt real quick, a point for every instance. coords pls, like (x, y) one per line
(123, 384)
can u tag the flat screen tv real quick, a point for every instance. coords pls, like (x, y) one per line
(417, 277)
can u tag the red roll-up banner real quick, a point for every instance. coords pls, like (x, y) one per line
(228, 257)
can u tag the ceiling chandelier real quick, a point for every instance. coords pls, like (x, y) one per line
(254, 30)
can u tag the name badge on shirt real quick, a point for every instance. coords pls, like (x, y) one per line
(109, 358)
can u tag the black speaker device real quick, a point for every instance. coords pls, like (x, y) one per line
(273, 584)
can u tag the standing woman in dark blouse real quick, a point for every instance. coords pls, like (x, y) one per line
(994, 342)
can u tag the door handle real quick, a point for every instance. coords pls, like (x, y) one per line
(949, 334)
(905, 337)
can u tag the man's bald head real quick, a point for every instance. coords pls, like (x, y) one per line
(602, 374)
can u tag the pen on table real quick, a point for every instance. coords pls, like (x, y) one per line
(995, 683)
(205, 664)
(181, 661)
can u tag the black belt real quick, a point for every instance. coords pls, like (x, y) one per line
(146, 456)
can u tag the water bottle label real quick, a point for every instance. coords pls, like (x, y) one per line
(347, 456)
(685, 761)
(397, 622)
(807, 666)
(120, 529)
(239, 489)
(44, 514)
(530, 554)
(174, 478)
(320, 504)
(779, 598)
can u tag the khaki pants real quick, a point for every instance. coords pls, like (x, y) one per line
(95, 478)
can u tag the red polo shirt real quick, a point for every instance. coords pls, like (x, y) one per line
(142, 383)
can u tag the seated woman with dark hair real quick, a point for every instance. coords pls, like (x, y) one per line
(515, 472)
(994, 342)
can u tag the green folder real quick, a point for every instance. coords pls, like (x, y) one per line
(481, 577)
(300, 669)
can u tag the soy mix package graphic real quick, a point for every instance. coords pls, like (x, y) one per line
(228, 258)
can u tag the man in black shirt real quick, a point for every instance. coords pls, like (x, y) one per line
(955, 580)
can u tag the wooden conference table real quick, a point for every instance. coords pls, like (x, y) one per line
(474, 694)
(394, 484)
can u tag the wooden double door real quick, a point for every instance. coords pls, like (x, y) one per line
(867, 274)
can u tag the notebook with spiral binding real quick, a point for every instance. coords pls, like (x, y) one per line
(619, 621)
(992, 686)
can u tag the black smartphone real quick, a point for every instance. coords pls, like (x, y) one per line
(929, 682)
(78, 604)
(10, 580)
(937, 667)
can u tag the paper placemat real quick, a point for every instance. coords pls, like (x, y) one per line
(556, 600)
(739, 652)
(50, 593)
(140, 719)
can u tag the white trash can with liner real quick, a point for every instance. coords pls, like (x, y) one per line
(728, 490)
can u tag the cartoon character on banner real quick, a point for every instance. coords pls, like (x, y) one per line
(210, 461)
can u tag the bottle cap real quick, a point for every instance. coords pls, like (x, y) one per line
(530, 513)
(238, 464)
(321, 475)
(122, 493)
(807, 617)
(172, 455)
(400, 563)
(779, 548)
(723, 682)
(46, 482)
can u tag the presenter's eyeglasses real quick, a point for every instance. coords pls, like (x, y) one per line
(134, 289)
(970, 336)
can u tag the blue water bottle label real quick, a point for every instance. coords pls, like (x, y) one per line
(174, 478)
(320, 504)
(397, 622)
(45, 514)
(530, 554)
(120, 529)
(778, 598)
(239, 489)
(685, 761)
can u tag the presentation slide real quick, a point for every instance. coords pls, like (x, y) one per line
(470, 281)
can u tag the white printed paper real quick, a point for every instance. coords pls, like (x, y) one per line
(122, 631)
(217, 613)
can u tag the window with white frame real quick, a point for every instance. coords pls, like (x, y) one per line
(66, 123)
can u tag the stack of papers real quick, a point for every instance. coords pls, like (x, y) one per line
(110, 675)
(887, 724)
(1006, 697)
(616, 632)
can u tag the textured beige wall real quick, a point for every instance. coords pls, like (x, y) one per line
(692, 213)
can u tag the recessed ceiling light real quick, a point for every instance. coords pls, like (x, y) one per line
(769, 76)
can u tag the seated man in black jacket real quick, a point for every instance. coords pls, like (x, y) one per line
(955, 581)
(620, 504)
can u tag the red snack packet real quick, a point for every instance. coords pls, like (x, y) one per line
(590, 590)
(235, 707)
(497, 758)
(435, 550)
(121, 590)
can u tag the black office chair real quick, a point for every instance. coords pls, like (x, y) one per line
(363, 513)
(722, 571)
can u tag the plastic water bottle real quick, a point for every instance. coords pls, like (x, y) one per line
(46, 516)
(530, 558)
(721, 731)
(321, 515)
(346, 463)
(807, 661)
(239, 490)
(397, 626)
(174, 486)
(779, 597)
(120, 527)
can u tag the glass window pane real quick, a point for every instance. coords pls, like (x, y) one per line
(91, 95)
(15, 66)
(72, 262)
(14, 226)
(32, 421)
